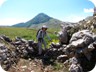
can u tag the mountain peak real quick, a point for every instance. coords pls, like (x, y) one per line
(42, 14)
(41, 18)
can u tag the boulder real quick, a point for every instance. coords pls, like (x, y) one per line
(30, 50)
(91, 47)
(17, 38)
(57, 45)
(81, 42)
(86, 35)
(63, 35)
(17, 43)
(30, 42)
(1, 45)
(62, 58)
(6, 38)
(74, 65)
(80, 50)
(21, 39)
(75, 68)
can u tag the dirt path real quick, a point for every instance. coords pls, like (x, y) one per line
(33, 66)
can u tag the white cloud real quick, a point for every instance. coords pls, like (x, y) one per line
(88, 10)
(74, 18)
(2, 2)
(11, 21)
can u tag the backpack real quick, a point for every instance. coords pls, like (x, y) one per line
(37, 32)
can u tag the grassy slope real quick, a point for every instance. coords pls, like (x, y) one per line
(13, 32)
(52, 23)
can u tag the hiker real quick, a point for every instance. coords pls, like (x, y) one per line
(40, 37)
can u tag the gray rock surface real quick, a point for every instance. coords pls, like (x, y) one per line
(81, 45)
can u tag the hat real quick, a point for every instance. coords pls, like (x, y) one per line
(44, 26)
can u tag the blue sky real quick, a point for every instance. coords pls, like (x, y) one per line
(15, 11)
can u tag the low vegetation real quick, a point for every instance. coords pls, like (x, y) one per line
(29, 34)
(23, 32)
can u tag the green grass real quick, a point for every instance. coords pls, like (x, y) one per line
(21, 32)
(26, 33)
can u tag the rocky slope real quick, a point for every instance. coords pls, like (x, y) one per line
(88, 23)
